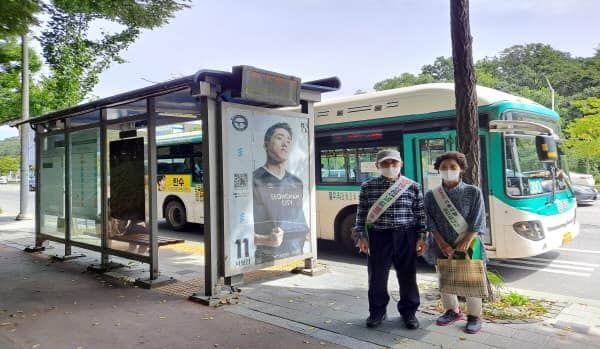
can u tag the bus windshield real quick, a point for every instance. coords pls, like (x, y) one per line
(525, 174)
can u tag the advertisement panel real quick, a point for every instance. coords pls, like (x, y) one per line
(266, 187)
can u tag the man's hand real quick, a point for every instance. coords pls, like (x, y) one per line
(421, 247)
(363, 245)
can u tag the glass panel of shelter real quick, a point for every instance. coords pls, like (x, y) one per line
(85, 195)
(51, 188)
(127, 187)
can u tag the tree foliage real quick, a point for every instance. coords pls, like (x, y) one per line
(8, 164)
(75, 59)
(10, 147)
(75, 56)
(17, 16)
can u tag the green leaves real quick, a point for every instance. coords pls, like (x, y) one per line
(17, 16)
(75, 58)
(584, 133)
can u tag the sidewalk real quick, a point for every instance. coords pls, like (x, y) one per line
(59, 305)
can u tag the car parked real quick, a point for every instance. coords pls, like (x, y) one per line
(582, 179)
(585, 195)
(3, 180)
(32, 184)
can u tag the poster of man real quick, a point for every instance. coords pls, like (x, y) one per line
(280, 228)
(266, 186)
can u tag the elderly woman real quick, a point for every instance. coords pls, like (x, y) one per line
(468, 202)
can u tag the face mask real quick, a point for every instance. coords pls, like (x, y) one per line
(390, 172)
(451, 175)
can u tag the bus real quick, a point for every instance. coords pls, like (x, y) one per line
(180, 178)
(530, 205)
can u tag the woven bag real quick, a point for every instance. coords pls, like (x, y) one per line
(463, 277)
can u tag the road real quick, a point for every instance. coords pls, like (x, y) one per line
(572, 271)
(9, 199)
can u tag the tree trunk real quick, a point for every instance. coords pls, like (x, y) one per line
(467, 118)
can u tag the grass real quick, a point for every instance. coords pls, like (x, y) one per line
(504, 305)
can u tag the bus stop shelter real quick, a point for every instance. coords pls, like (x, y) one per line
(96, 165)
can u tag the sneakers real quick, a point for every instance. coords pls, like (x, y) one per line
(410, 321)
(375, 321)
(449, 317)
(473, 324)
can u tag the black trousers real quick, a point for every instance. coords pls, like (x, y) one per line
(393, 247)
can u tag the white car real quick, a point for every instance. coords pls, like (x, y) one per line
(582, 179)
(3, 180)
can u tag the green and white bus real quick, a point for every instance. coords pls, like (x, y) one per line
(180, 184)
(531, 208)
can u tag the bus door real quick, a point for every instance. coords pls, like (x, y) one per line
(420, 152)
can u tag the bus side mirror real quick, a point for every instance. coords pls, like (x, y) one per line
(546, 148)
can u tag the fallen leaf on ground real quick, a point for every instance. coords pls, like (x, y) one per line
(7, 324)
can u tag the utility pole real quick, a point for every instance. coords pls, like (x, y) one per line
(24, 212)
(551, 90)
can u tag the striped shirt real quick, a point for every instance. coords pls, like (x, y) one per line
(407, 212)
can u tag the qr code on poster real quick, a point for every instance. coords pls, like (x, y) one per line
(240, 181)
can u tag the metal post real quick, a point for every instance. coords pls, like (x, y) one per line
(104, 256)
(310, 264)
(211, 163)
(152, 195)
(67, 183)
(24, 212)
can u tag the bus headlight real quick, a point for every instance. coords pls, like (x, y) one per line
(531, 230)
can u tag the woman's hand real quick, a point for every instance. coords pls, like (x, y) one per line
(447, 250)
(445, 247)
(464, 243)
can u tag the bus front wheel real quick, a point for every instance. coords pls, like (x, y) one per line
(176, 216)
(345, 234)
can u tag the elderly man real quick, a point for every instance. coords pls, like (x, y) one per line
(390, 228)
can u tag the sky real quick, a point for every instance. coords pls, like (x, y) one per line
(360, 41)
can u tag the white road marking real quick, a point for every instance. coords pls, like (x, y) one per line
(547, 270)
(578, 251)
(563, 262)
(546, 264)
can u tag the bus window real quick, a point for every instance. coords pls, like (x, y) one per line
(333, 166)
(429, 150)
(172, 166)
(366, 163)
(354, 165)
(197, 174)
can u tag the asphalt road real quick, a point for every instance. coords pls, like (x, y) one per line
(10, 199)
